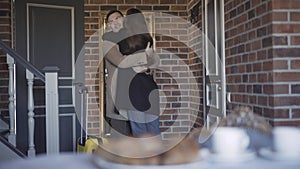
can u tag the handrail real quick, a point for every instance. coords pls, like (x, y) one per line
(22, 61)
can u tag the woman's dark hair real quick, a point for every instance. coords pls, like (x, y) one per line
(133, 11)
(137, 30)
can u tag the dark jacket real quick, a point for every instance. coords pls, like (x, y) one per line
(136, 91)
(115, 60)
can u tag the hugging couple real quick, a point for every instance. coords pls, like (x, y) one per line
(132, 96)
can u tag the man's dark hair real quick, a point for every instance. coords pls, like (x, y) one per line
(113, 11)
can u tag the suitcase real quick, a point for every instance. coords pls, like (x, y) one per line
(88, 145)
(85, 144)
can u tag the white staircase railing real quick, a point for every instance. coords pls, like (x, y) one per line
(52, 110)
(31, 149)
(11, 106)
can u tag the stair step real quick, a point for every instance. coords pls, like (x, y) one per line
(3, 124)
(8, 151)
(4, 132)
(4, 127)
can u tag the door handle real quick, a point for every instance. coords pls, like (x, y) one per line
(228, 97)
(216, 81)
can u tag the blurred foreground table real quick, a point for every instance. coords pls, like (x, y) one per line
(85, 161)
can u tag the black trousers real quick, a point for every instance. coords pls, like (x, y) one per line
(121, 126)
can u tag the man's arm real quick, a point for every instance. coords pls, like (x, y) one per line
(113, 55)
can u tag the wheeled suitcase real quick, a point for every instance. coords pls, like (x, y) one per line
(85, 143)
(88, 145)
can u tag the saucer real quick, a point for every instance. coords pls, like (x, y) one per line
(213, 157)
(272, 155)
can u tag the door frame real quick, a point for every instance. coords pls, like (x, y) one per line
(67, 112)
(104, 125)
(220, 84)
(71, 8)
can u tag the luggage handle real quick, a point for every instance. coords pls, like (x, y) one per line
(84, 110)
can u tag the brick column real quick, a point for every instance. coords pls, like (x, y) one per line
(286, 63)
(5, 35)
(262, 57)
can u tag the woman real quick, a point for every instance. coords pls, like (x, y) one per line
(137, 91)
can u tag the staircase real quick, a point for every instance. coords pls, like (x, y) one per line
(8, 133)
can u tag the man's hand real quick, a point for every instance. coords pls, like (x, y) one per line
(149, 50)
(152, 58)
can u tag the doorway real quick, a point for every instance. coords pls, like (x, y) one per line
(106, 103)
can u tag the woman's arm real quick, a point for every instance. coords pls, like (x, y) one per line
(113, 55)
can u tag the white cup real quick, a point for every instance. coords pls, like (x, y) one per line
(286, 140)
(230, 141)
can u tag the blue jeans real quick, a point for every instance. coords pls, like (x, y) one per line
(143, 123)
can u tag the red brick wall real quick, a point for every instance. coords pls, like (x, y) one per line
(177, 69)
(285, 53)
(5, 35)
(195, 62)
(262, 57)
(173, 78)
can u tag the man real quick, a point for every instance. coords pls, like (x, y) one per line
(114, 59)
